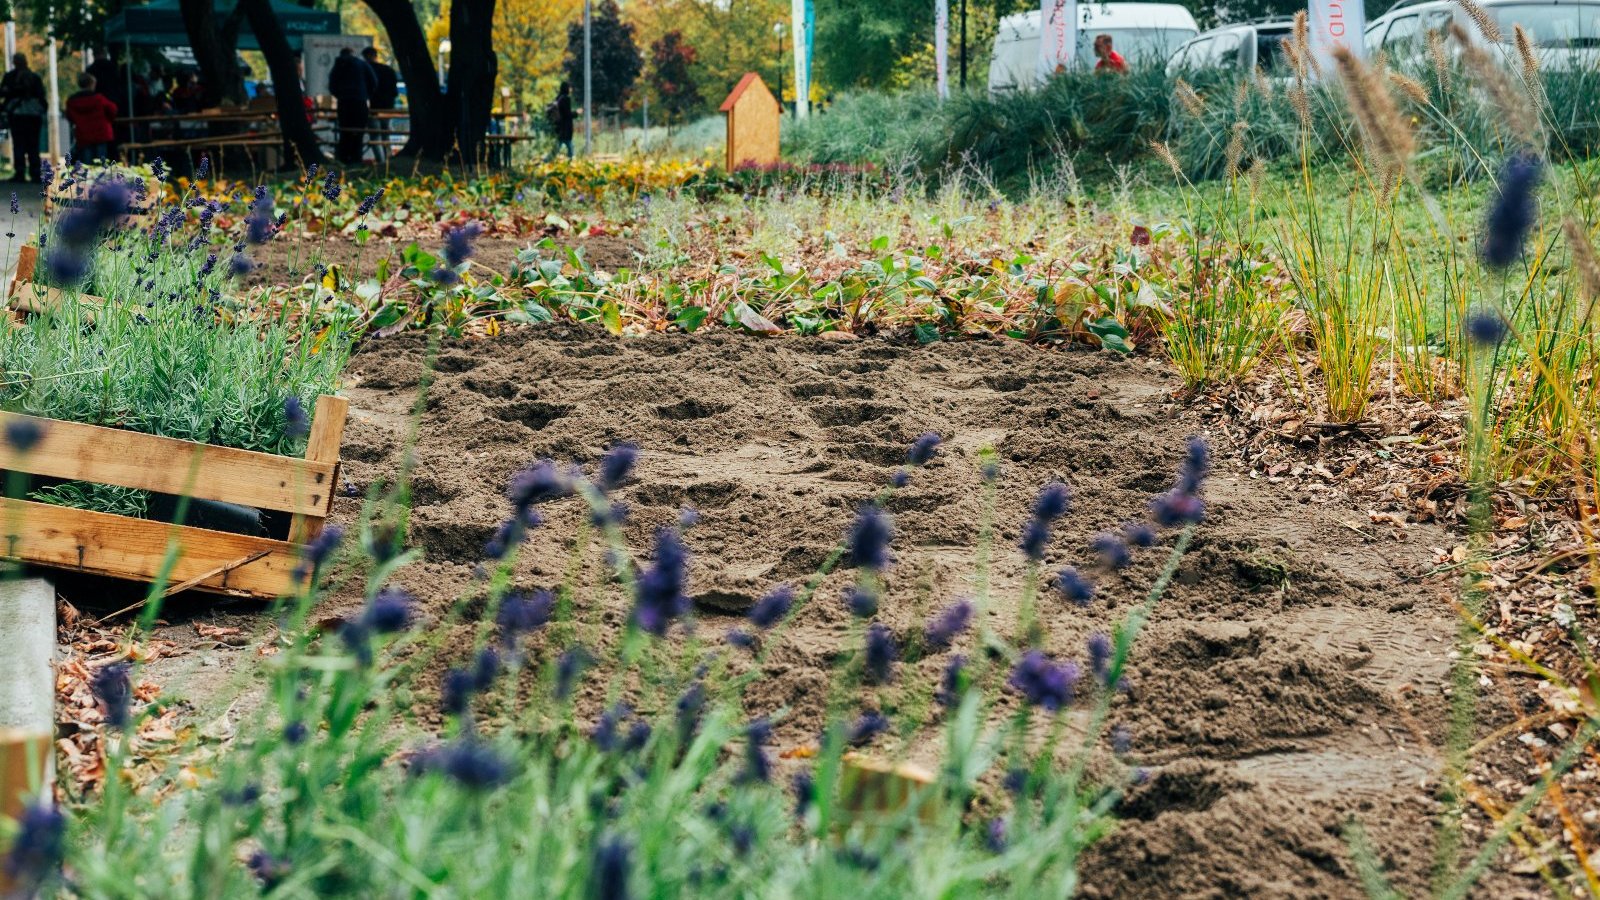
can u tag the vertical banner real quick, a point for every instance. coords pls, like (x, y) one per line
(801, 15)
(1058, 36)
(1336, 23)
(941, 46)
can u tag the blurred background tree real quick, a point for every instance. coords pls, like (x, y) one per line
(672, 77)
(615, 63)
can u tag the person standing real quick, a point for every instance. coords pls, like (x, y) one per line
(559, 115)
(93, 119)
(352, 83)
(1110, 59)
(22, 92)
(383, 99)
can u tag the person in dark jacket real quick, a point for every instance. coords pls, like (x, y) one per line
(383, 99)
(93, 117)
(22, 92)
(352, 83)
(559, 112)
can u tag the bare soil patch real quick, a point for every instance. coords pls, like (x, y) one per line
(1291, 679)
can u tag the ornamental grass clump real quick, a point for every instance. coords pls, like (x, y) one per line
(628, 764)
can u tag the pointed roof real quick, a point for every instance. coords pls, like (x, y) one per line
(744, 84)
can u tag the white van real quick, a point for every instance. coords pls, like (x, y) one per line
(1243, 47)
(1144, 33)
(1565, 33)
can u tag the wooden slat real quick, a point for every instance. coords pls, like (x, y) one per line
(872, 791)
(24, 764)
(322, 448)
(27, 261)
(106, 544)
(31, 297)
(102, 455)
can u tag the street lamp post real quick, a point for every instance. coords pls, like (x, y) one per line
(588, 80)
(444, 52)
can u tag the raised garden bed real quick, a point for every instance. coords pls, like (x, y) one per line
(122, 547)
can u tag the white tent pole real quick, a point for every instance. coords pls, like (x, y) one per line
(55, 90)
(11, 41)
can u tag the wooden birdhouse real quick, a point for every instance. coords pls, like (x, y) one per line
(753, 116)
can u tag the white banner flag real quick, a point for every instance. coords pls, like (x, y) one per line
(941, 45)
(1058, 36)
(800, 35)
(1336, 23)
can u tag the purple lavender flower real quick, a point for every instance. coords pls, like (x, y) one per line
(295, 733)
(331, 188)
(1176, 508)
(953, 683)
(991, 471)
(568, 667)
(455, 692)
(1043, 682)
(740, 638)
(1486, 328)
(269, 870)
(16, 205)
(240, 265)
(867, 726)
(770, 609)
(608, 876)
(1138, 534)
(900, 478)
(1513, 210)
(1113, 553)
(923, 449)
(1099, 654)
(1052, 504)
(659, 596)
(881, 653)
(458, 248)
(204, 169)
(1074, 587)
(38, 848)
(23, 434)
(370, 201)
(691, 704)
(466, 762)
(994, 835)
(863, 603)
(389, 612)
(485, 669)
(606, 727)
(113, 688)
(616, 464)
(638, 737)
(805, 791)
(296, 424)
(519, 615)
(258, 221)
(757, 767)
(869, 538)
(539, 482)
(954, 620)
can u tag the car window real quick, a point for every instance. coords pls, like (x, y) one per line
(1195, 55)
(1436, 22)
(1374, 37)
(1227, 51)
(1552, 25)
(1269, 51)
(1404, 34)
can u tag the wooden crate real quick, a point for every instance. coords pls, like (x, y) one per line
(25, 296)
(118, 546)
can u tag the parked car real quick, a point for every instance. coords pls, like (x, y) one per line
(1565, 33)
(1141, 32)
(1245, 46)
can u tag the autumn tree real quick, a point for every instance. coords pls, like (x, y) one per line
(672, 76)
(729, 37)
(614, 58)
(531, 36)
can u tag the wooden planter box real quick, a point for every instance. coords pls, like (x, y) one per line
(106, 544)
(25, 296)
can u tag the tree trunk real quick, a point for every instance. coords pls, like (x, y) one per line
(430, 124)
(285, 80)
(216, 46)
(473, 68)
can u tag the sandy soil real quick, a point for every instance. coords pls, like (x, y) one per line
(1291, 679)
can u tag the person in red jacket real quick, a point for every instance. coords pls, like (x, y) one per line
(92, 116)
(1110, 60)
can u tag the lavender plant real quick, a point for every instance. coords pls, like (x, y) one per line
(650, 780)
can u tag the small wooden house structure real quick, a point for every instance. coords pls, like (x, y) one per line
(753, 117)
